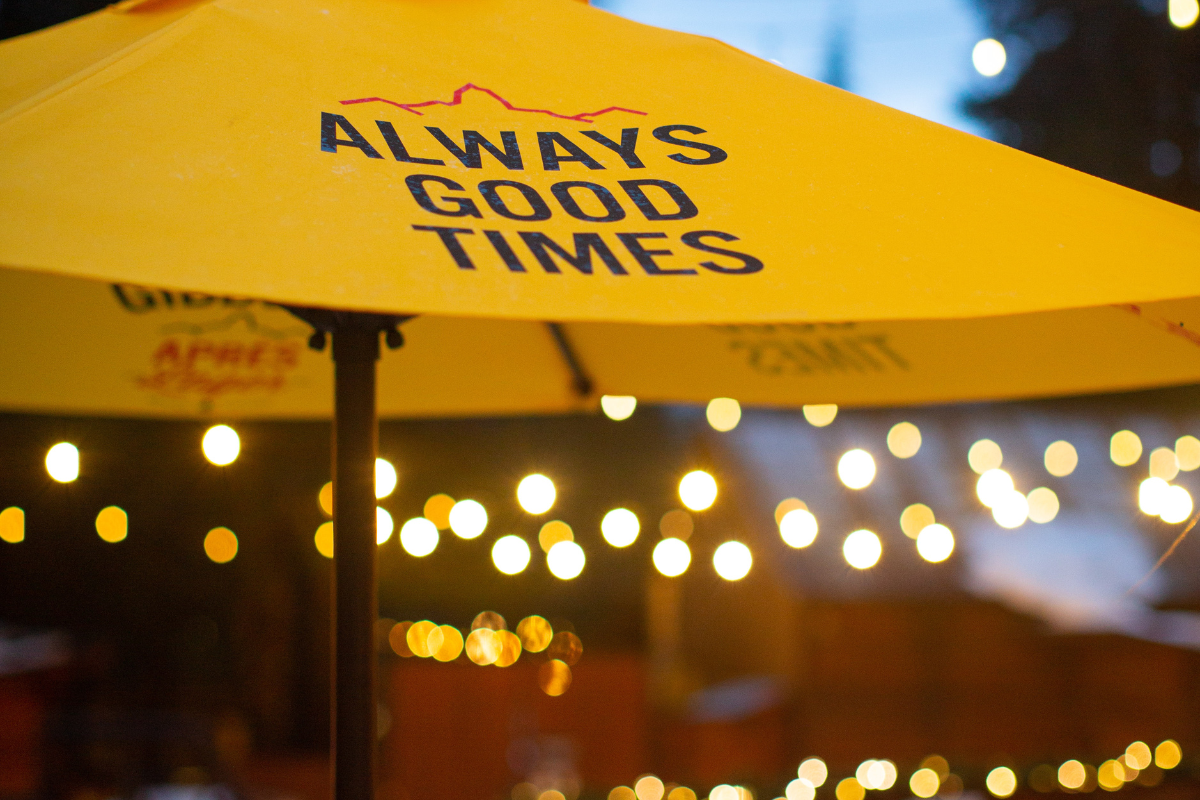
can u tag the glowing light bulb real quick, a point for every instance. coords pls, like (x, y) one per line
(935, 543)
(419, 537)
(618, 407)
(732, 561)
(510, 554)
(723, 413)
(798, 528)
(989, 57)
(221, 445)
(62, 462)
(565, 560)
(862, 549)
(672, 557)
(620, 527)
(385, 478)
(856, 468)
(698, 490)
(468, 519)
(536, 493)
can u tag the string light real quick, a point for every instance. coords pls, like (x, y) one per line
(723, 413)
(649, 787)
(1163, 463)
(1152, 494)
(511, 554)
(12, 525)
(112, 524)
(221, 545)
(798, 528)
(1043, 505)
(62, 462)
(698, 490)
(1061, 459)
(1168, 754)
(554, 532)
(672, 557)
(618, 407)
(820, 415)
(924, 783)
(385, 478)
(419, 537)
(1176, 505)
(935, 543)
(221, 445)
(993, 486)
(1187, 452)
(566, 560)
(800, 789)
(620, 527)
(536, 493)
(437, 510)
(790, 504)
(862, 549)
(468, 519)
(1011, 511)
(1138, 755)
(904, 440)
(916, 518)
(985, 455)
(732, 561)
(1002, 782)
(814, 771)
(1125, 448)
(856, 469)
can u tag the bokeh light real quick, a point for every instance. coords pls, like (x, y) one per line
(916, 518)
(1071, 774)
(856, 469)
(398, 639)
(1061, 458)
(554, 677)
(671, 557)
(814, 771)
(323, 539)
(904, 440)
(1183, 13)
(849, 789)
(862, 549)
(1001, 782)
(325, 498)
(1163, 463)
(384, 525)
(437, 510)
(993, 486)
(984, 455)
(789, 504)
(511, 554)
(1011, 511)
(1110, 775)
(620, 527)
(536, 493)
(451, 646)
(566, 560)
(1152, 494)
(1176, 505)
(924, 783)
(62, 462)
(490, 620)
(622, 793)
(510, 648)
(385, 478)
(566, 647)
(678, 793)
(724, 791)
(535, 633)
(989, 57)
(876, 774)
(418, 638)
(935, 543)
(649, 787)
(799, 789)
(468, 519)
(220, 545)
(552, 533)
(1125, 448)
(798, 528)
(1187, 453)
(723, 413)
(12, 525)
(820, 415)
(698, 490)
(618, 406)
(419, 537)
(483, 646)
(1168, 754)
(676, 524)
(732, 561)
(1043, 505)
(112, 524)
(221, 445)
(1138, 755)
(938, 764)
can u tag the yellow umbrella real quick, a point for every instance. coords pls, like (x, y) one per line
(694, 220)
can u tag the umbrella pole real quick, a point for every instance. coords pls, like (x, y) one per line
(355, 351)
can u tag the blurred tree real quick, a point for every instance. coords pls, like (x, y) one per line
(1109, 87)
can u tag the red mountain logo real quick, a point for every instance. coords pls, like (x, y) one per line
(587, 116)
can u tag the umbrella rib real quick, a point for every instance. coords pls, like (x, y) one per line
(581, 382)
